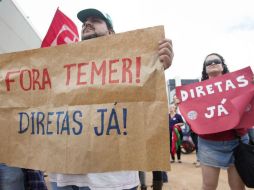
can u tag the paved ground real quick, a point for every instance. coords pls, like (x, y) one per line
(186, 176)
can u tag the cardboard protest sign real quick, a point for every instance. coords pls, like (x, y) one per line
(219, 104)
(94, 106)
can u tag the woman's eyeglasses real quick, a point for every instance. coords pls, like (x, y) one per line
(215, 61)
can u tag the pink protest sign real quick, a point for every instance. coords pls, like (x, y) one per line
(219, 104)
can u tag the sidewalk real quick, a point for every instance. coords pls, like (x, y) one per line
(186, 176)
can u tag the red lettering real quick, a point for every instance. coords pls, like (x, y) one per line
(138, 66)
(45, 79)
(22, 80)
(80, 65)
(8, 80)
(36, 75)
(68, 67)
(29, 79)
(112, 71)
(115, 71)
(126, 69)
(101, 71)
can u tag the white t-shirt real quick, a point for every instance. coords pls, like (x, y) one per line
(97, 181)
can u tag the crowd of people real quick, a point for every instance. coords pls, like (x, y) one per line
(210, 152)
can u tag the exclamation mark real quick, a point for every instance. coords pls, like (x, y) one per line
(138, 65)
(125, 120)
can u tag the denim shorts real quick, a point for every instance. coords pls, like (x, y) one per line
(218, 153)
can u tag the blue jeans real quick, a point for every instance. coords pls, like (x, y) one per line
(73, 187)
(11, 178)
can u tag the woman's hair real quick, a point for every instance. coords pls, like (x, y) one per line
(225, 68)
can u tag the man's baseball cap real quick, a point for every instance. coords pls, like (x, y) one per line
(84, 14)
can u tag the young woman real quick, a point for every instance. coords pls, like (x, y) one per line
(216, 150)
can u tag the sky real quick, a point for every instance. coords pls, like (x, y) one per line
(196, 27)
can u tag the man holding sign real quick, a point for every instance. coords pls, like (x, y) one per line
(97, 24)
(219, 117)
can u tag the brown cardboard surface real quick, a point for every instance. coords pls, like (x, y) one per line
(54, 102)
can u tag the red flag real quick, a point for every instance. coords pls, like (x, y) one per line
(62, 30)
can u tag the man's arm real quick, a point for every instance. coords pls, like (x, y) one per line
(166, 53)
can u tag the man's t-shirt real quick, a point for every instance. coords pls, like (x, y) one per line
(99, 181)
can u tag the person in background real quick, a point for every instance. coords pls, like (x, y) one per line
(157, 180)
(142, 178)
(194, 137)
(96, 24)
(176, 101)
(215, 151)
(159, 177)
(176, 135)
(34, 180)
(12, 178)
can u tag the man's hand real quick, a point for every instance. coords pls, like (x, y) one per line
(166, 53)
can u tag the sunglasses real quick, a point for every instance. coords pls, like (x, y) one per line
(215, 61)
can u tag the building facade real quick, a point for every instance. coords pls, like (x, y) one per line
(16, 32)
(173, 83)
